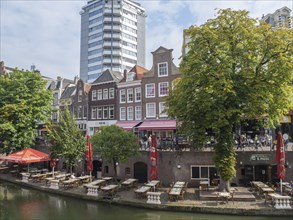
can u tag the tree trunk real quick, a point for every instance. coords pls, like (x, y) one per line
(115, 171)
(224, 186)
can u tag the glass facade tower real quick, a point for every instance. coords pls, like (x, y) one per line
(112, 37)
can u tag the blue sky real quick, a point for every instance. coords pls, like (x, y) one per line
(47, 33)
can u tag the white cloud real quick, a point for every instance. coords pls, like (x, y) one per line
(47, 33)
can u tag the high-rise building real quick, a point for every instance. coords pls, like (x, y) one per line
(112, 37)
(280, 18)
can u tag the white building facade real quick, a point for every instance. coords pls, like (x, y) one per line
(112, 37)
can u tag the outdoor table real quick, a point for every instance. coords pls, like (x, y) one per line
(48, 180)
(175, 193)
(98, 183)
(111, 189)
(129, 183)
(13, 172)
(70, 183)
(179, 184)
(204, 184)
(153, 184)
(266, 191)
(38, 177)
(107, 179)
(84, 179)
(142, 191)
(223, 196)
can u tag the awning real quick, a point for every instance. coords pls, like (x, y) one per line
(127, 125)
(158, 125)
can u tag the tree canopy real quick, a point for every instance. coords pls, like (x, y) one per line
(24, 102)
(114, 144)
(237, 68)
(67, 139)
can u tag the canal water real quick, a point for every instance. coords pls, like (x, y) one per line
(18, 203)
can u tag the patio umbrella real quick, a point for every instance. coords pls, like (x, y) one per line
(154, 158)
(89, 156)
(280, 158)
(26, 156)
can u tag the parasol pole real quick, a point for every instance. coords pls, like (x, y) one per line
(53, 168)
(281, 186)
(28, 167)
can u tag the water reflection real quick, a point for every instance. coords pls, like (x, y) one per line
(23, 203)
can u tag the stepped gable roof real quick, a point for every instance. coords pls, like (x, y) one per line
(109, 76)
(68, 92)
(139, 70)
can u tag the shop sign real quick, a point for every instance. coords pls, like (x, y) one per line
(260, 157)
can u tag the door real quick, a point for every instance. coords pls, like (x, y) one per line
(140, 172)
(261, 173)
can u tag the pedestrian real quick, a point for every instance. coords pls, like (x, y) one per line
(150, 140)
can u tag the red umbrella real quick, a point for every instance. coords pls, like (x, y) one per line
(89, 155)
(280, 158)
(27, 155)
(154, 158)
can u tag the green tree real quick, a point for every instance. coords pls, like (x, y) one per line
(67, 139)
(237, 68)
(24, 101)
(115, 145)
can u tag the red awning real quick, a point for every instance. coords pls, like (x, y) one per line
(27, 155)
(158, 125)
(127, 125)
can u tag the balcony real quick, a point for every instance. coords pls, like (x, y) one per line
(115, 11)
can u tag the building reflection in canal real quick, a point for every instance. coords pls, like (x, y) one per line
(22, 203)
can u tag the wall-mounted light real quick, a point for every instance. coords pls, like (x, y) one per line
(179, 166)
(117, 163)
(240, 163)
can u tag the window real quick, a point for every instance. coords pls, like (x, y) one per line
(105, 94)
(203, 172)
(94, 112)
(129, 95)
(122, 113)
(94, 95)
(55, 102)
(100, 112)
(129, 113)
(111, 93)
(163, 69)
(111, 112)
(105, 112)
(163, 88)
(137, 94)
(137, 112)
(84, 111)
(100, 94)
(122, 96)
(162, 107)
(130, 76)
(79, 95)
(150, 90)
(150, 110)
(79, 112)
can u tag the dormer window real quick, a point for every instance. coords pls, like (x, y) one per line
(130, 76)
(162, 69)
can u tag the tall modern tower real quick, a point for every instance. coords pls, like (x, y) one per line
(112, 37)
